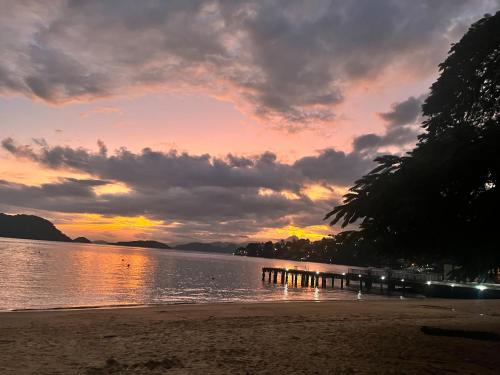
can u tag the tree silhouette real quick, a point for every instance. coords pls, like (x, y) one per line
(440, 201)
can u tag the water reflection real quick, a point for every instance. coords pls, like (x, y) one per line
(40, 274)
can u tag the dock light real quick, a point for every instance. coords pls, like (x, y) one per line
(286, 269)
(481, 287)
(402, 280)
(359, 275)
(343, 273)
(428, 283)
(452, 285)
(317, 272)
(382, 277)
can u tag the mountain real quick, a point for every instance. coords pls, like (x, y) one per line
(30, 227)
(82, 240)
(209, 247)
(147, 244)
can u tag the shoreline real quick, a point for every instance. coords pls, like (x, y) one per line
(366, 337)
(243, 302)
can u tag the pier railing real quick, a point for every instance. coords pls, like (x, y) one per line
(397, 274)
(386, 280)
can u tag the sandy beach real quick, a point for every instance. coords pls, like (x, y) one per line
(338, 337)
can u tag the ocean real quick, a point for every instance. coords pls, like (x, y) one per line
(48, 275)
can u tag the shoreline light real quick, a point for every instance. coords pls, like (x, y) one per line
(481, 287)
(428, 283)
(382, 277)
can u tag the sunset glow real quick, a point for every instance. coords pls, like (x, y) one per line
(115, 124)
(114, 228)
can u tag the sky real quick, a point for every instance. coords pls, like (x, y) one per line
(208, 121)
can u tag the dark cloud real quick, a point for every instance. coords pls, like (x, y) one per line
(404, 113)
(235, 194)
(403, 127)
(287, 61)
(334, 167)
(150, 170)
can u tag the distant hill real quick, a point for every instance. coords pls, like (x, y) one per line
(147, 244)
(82, 240)
(209, 247)
(30, 227)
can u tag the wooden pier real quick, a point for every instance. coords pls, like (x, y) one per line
(380, 281)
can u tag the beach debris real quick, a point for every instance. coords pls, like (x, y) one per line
(476, 335)
(113, 366)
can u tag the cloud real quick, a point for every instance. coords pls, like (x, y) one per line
(403, 127)
(404, 113)
(221, 195)
(286, 62)
(333, 167)
(151, 169)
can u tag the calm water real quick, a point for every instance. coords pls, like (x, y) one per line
(41, 274)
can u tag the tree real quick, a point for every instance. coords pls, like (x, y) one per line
(440, 201)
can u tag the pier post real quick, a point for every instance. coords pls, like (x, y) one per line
(333, 282)
(282, 277)
(347, 280)
(323, 282)
(390, 286)
(342, 282)
(286, 278)
(263, 275)
(360, 284)
(275, 277)
(295, 283)
(269, 278)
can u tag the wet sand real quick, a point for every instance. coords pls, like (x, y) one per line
(337, 337)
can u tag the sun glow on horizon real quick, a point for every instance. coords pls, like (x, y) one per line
(113, 227)
(311, 232)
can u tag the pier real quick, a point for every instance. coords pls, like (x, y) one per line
(382, 281)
